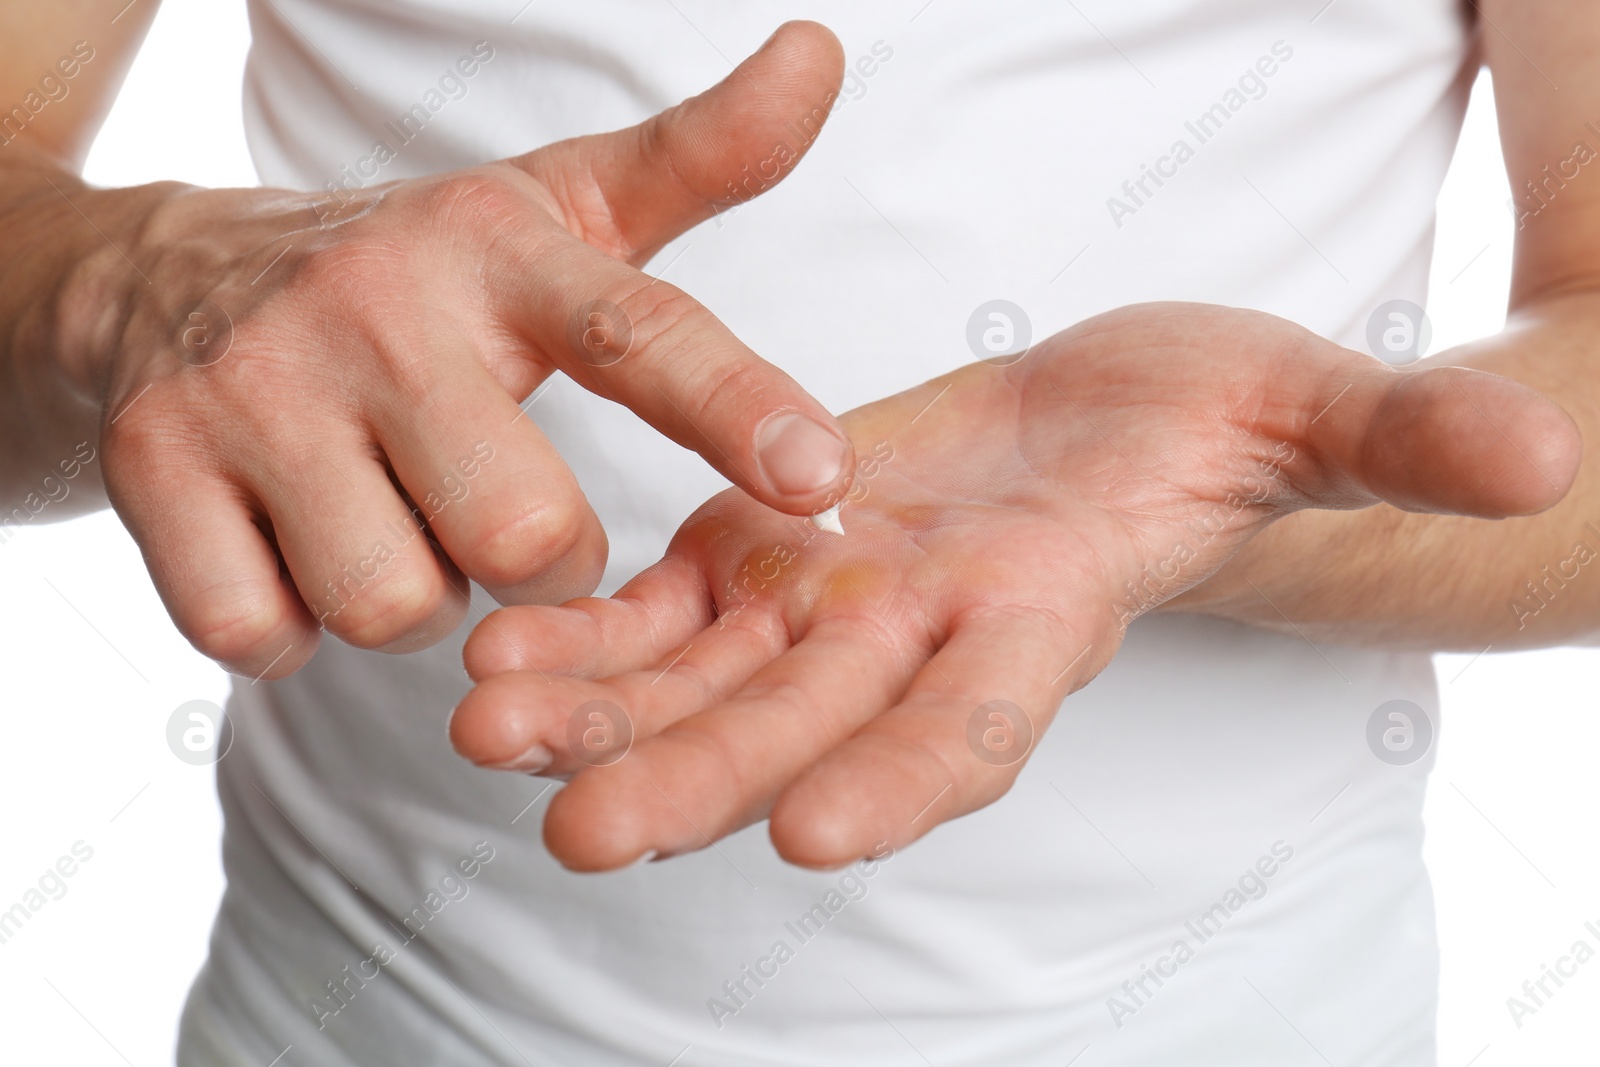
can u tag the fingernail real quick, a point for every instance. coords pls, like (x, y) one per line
(534, 760)
(799, 456)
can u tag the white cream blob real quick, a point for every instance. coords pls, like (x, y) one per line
(829, 520)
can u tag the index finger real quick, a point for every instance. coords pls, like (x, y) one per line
(651, 347)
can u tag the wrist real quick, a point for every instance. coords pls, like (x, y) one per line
(51, 402)
(103, 273)
(1265, 582)
(1222, 594)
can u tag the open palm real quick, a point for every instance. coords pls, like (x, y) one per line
(1005, 525)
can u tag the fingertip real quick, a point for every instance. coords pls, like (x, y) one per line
(588, 830)
(833, 814)
(494, 646)
(814, 46)
(494, 725)
(807, 830)
(806, 463)
(1556, 449)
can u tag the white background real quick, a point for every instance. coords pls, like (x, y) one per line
(93, 670)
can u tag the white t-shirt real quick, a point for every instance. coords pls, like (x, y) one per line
(1204, 862)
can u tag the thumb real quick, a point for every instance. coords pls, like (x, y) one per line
(632, 191)
(1450, 440)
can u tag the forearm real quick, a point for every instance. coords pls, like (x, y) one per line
(1385, 577)
(63, 281)
(48, 412)
(61, 66)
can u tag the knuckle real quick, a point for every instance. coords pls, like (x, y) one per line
(791, 698)
(473, 198)
(662, 316)
(141, 442)
(383, 610)
(694, 678)
(739, 387)
(522, 546)
(129, 444)
(349, 272)
(718, 757)
(233, 623)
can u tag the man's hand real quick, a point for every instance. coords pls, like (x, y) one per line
(308, 404)
(1007, 524)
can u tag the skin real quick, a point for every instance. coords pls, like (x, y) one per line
(818, 711)
(766, 670)
(281, 391)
